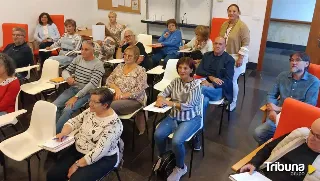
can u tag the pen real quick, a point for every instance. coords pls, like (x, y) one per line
(63, 137)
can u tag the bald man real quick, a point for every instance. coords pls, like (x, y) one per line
(83, 75)
(300, 148)
(218, 68)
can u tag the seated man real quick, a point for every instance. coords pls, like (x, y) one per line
(301, 147)
(297, 84)
(19, 50)
(88, 72)
(217, 68)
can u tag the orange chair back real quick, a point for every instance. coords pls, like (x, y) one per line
(314, 69)
(216, 24)
(7, 32)
(295, 114)
(58, 20)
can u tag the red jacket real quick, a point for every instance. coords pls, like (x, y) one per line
(8, 94)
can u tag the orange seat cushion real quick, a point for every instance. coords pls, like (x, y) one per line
(58, 20)
(216, 24)
(314, 69)
(7, 32)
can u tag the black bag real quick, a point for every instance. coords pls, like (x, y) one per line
(164, 165)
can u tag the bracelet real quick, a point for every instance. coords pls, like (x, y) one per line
(76, 163)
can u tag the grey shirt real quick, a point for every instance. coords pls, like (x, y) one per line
(305, 90)
(87, 74)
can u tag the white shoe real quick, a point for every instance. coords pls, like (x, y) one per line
(232, 106)
(177, 173)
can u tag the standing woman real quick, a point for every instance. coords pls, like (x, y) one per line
(114, 27)
(46, 34)
(69, 43)
(237, 35)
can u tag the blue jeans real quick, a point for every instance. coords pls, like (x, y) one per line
(3, 113)
(182, 130)
(161, 55)
(210, 94)
(65, 113)
(264, 132)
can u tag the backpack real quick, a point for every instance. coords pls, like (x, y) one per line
(164, 165)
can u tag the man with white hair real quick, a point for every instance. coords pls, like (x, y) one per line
(129, 38)
(299, 149)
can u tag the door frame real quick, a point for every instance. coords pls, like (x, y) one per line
(264, 37)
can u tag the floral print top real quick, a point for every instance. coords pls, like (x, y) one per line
(135, 82)
(116, 31)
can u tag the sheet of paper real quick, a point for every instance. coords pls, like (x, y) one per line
(127, 3)
(45, 50)
(153, 108)
(98, 32)
(120, 2)
(256, 176)
(115, 3)
(135, 5)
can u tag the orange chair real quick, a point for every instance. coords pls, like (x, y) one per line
(7, 33)
(294, 114)
(216, 24)
(314, 69)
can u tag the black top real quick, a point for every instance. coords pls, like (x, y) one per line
(301, 155)
(22, 54)
(145, 62)
(221, 67)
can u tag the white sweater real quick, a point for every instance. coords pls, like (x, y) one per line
(97, 137)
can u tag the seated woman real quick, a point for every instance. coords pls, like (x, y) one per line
(185, 116)
(129, 80)
(95, 151)
(114, 27)
(168, 45)
(46, 34)
(201, 42)
(104, 50)
(129, 40)
(70, 42)
(9, 85)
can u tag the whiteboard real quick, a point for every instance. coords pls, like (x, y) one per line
(300, 10)
(161, 9)
(197, 11)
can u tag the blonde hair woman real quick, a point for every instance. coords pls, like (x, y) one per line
(114, 27)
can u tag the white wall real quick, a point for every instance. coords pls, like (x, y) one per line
(85, 12)
(253, 12)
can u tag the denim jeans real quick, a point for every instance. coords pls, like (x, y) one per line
(3, 113)
(65, 113)
(264, 132)
(182, 130)
(161, 55)
(210, 94)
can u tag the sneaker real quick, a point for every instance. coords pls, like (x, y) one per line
(232, 106)
(198, 148)
(177, 173)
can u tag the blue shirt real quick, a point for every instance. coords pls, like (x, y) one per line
(305, 90)
(172, 43)
(52, 30)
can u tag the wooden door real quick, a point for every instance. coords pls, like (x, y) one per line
(313, 46)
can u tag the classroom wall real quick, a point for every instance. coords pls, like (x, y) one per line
(252, 13)
(85, 12)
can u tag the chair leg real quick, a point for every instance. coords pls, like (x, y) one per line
(153, 130)
(3, 163)
(221, 118)
(133, 133)
(244, 84)
(191, 159)
(146, 121)
(38, 156)
(202, 133)
(117, 173)
(229, 115)
(29, 169)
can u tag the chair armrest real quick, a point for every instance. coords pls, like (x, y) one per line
(247, 158)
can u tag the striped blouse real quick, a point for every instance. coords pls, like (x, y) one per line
(70, 42)
(188, 95)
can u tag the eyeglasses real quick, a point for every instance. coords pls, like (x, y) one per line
(315, 135)
(295, 60)
(17, 35)
(94, 102)
(129, 56)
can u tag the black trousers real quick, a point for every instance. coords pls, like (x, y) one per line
(44, 55)
(91, 172)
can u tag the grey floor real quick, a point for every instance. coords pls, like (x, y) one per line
(221, 152)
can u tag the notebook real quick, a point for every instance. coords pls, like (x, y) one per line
(54, 146)
(256, 176)
(57, 80)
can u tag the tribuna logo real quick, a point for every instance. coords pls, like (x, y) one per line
(294, 169)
